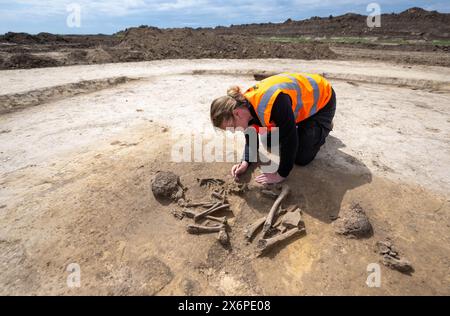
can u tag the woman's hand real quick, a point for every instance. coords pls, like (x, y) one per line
(269, 178)
(239, 169)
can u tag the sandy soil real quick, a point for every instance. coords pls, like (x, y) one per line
(76, 170)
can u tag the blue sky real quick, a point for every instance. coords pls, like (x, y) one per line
(98, 16)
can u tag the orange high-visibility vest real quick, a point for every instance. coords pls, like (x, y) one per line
(308, 92)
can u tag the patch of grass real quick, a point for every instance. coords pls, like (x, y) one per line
(350, 40)
(441, 42)
(307, 39)
(280, 39)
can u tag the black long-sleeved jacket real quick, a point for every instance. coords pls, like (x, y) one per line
(283, 117)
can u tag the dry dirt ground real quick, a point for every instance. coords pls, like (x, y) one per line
(77, 160)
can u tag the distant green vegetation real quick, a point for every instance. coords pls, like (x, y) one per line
(441, 42)
(286, 39)
(351, 40)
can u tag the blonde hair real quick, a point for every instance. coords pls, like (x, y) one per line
(222, 108)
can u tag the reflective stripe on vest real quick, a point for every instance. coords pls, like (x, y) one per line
(269, 94)
(304, 103)
(316, 92)
(299, 104)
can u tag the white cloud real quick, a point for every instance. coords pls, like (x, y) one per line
(131, 7)
(111, 7)
(181, 4)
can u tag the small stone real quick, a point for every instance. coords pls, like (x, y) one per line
(181, 202)
(392, 259)
(190, 287)
(401, 265)
(178, 214)
(223, 238)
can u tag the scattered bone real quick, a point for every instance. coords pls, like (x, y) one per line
(204, 213)
(251, 230)
(293, 208)
(191, 214)
(292, 219)
(200, 215)
(183, 203)
(208, 205)
(199, 229)
(235, 187)
(222, 187)
(392, 258)
(269, 193)
(289, 225)
(277, 225)
(217, 195)
(402, 265)
(270, 217)
(281, 211)
(210, 181)
(221, 195)
(387, 248)
(266, 244)
(178, 214)
(222, 220)
(216, 207)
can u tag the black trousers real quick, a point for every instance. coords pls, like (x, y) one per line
(313, 131)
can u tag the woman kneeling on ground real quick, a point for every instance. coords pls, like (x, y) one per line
(301, 106)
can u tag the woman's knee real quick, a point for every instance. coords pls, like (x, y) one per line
(304, 159)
